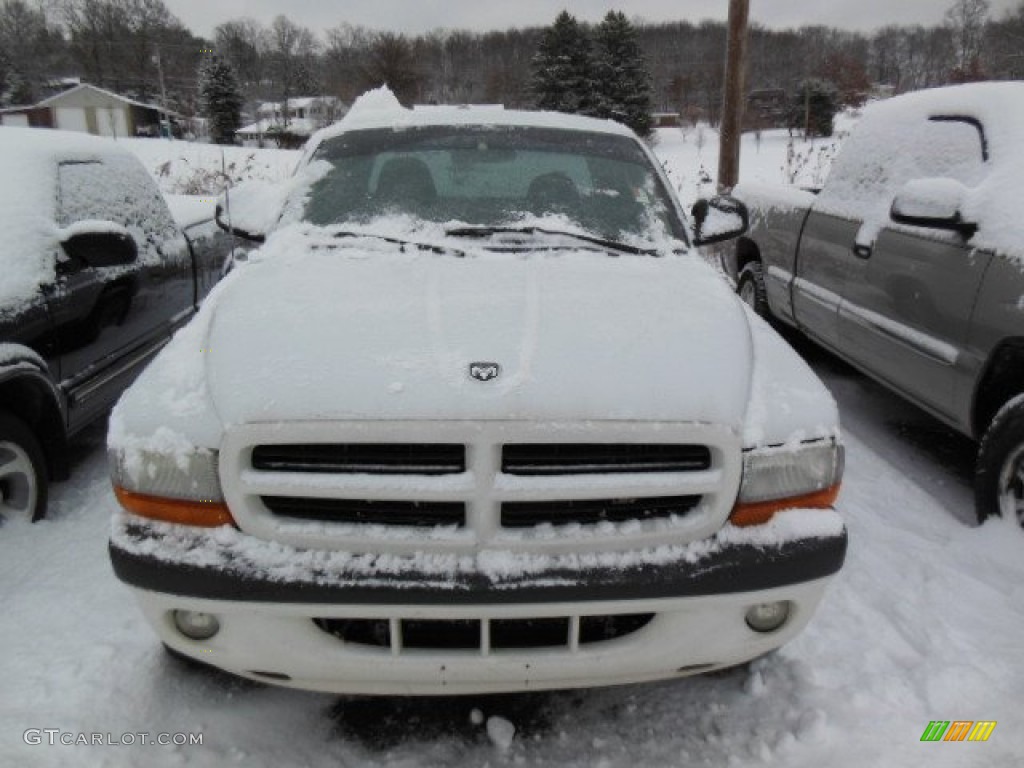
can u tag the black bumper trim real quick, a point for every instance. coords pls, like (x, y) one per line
(734, 569)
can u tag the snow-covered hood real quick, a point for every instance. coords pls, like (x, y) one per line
(350, 333)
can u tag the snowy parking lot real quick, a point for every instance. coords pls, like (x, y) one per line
(923, 623)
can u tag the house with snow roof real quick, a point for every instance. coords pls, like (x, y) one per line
(289, 124)
(90, 109)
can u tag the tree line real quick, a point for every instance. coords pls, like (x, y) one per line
(135, 46)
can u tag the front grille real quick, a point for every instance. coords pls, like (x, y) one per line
(600, 458)
(526, 514)
(484, 634)
(414, 513)
(366, 458)
(463, 487)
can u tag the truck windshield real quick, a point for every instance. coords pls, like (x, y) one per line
(494, 176)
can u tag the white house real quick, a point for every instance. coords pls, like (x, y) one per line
(89, 109)
(292, 126)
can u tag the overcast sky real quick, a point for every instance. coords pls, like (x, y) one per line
(414, 16)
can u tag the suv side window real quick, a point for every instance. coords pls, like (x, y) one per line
(117, 189)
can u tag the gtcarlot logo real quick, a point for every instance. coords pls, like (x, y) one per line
(55, 736)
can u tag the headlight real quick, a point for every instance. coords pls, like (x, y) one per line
(179, 487)
(806, 476)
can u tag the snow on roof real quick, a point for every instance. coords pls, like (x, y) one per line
(380, 108)
(872, 165)
(300, 102)
(28, 198)
(308, 101)
(52, 100)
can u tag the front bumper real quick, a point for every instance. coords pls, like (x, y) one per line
(267, 596)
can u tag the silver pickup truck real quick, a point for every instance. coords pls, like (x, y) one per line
(909, 264)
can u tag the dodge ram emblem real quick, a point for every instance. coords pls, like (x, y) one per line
(484, 371)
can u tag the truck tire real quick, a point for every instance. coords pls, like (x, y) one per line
(750, 287)
(23, 479)
(999, 476)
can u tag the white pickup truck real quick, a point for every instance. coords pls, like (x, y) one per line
(473, 419)
(909, 263)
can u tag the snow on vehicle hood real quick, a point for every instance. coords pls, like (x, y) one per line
(360, 332)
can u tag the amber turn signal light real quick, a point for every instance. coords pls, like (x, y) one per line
(207, 514)
(760, 512)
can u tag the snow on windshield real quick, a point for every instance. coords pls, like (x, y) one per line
(488, 175)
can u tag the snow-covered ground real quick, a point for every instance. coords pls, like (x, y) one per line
(690, 157)
(924, 623)
(186, 168)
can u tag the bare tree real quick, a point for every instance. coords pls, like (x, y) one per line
(391, 62)
(30, 48)
(245, 43)
(293, 51)
(117, 43)
(348, 47)
(966, 19)
(1004, 45)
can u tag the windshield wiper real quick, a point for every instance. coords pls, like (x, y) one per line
(612, 245)
(402, 244)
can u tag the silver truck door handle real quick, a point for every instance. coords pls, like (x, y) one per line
(862, 251)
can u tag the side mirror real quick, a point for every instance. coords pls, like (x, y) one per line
(933, 203)
(251, 209)
(720, 218)
(99, 244)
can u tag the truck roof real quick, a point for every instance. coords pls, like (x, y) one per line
(380, 108)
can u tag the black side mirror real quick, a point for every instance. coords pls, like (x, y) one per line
(720, 218)
(933, 203)
(100, 244)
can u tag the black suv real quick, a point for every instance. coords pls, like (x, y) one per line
(95, 276)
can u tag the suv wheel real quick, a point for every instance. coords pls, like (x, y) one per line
(22, 472)
(999, 478)
(750, 287)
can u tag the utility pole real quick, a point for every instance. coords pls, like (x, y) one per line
(163, 94)
(734, 96)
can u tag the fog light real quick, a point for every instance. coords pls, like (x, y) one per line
(767, 617)
(196, 625)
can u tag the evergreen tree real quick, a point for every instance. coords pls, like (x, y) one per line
(623, 82)
(220, 98)
(15, 90)
(563, 68)
(812, 107)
